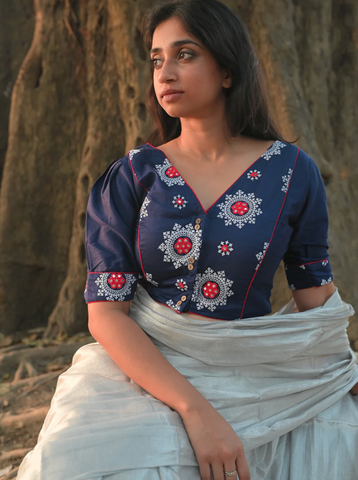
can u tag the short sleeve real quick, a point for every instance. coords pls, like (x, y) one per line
(112, 212)
(306, 260)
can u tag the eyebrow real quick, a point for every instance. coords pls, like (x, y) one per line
(177, 43)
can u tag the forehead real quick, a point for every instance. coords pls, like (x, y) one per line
(169, 31)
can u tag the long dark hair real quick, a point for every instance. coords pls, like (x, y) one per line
(227, 38)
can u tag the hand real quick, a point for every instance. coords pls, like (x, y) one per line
(215, 444)
(354, 390)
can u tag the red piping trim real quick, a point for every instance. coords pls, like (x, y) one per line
(283, 203)
(140, 254)
(309, 263)
(130, 162)
(106, 301)
(134, 273)
(216, 201)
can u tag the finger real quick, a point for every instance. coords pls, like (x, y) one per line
(230, 467)
(219, 473)
(242, 467)
(205, 473)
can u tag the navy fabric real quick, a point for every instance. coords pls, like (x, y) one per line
(145, 224)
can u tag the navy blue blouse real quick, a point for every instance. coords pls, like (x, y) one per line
(144, 223)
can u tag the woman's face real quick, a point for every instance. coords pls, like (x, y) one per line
(182, 63)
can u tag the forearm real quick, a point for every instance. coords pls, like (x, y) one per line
(137, 356)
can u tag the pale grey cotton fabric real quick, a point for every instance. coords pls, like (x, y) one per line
(282, 381)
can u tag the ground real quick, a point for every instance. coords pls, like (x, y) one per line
(29, 369)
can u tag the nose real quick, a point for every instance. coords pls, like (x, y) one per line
(167, 72)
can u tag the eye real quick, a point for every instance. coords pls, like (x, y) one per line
(182, 56)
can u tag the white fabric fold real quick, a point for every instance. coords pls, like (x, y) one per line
(276, 379)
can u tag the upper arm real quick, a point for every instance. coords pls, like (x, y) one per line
(313, 297)
(307, 263)
(97, 311)
(112, 215)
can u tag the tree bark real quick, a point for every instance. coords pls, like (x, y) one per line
(78, 104)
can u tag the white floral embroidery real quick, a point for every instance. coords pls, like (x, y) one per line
(275, 149)
(303, 267)
(133, 152)
(240, 208)
(253, 175)
(261, 255)
(179, 202)
(325, 282)
(292, 287)
(181, 284)
(149, 277)
(286, 179)
(168, 174)
(173, 305)
(225, 248)
(325, 262)
(143, 210)
(211, 289)
(114, 286)
(180, 244)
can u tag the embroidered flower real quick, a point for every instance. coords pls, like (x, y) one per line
(261, 254)
(326, 282)
(253, 175)
(149, 278)
(114, 286)
(180, 244)
(179, 202)
(143, 210)
(173, 305)
(240, 208)
(133, 152)
(286, 179)
(292, 287)
(303, 267)
(168, 174)
(275, 149)
(324, 262)
(225, 248)
(211, 289)
(182, 285)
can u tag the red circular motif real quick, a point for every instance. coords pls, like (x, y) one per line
(253, 174)
(116, 280)
(224, 248)
(183, 245)
(181, 285)
(240, 208)
(171, 172)
(210, 290)
(179, 201)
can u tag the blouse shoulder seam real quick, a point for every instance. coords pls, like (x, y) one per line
(134, 173)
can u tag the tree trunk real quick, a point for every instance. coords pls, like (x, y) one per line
(77, 105)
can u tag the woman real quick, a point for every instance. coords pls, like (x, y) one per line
(192, 379)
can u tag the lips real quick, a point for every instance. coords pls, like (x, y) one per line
(169, 92)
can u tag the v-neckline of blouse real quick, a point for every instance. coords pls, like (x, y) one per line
(217, 200)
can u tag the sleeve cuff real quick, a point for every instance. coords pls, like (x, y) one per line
(311, 274)
(110, 286)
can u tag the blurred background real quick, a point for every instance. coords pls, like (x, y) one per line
(73, 77)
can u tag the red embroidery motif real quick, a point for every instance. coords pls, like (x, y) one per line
(210, 290)
(224, 248)
(116, 280)
(240, 208)
(180, 285)
(183, 245)
(179, 201)
(171, 172)
(253, 174)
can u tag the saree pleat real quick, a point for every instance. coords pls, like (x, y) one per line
(282, 381)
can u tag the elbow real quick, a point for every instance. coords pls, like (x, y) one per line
(313, 297)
